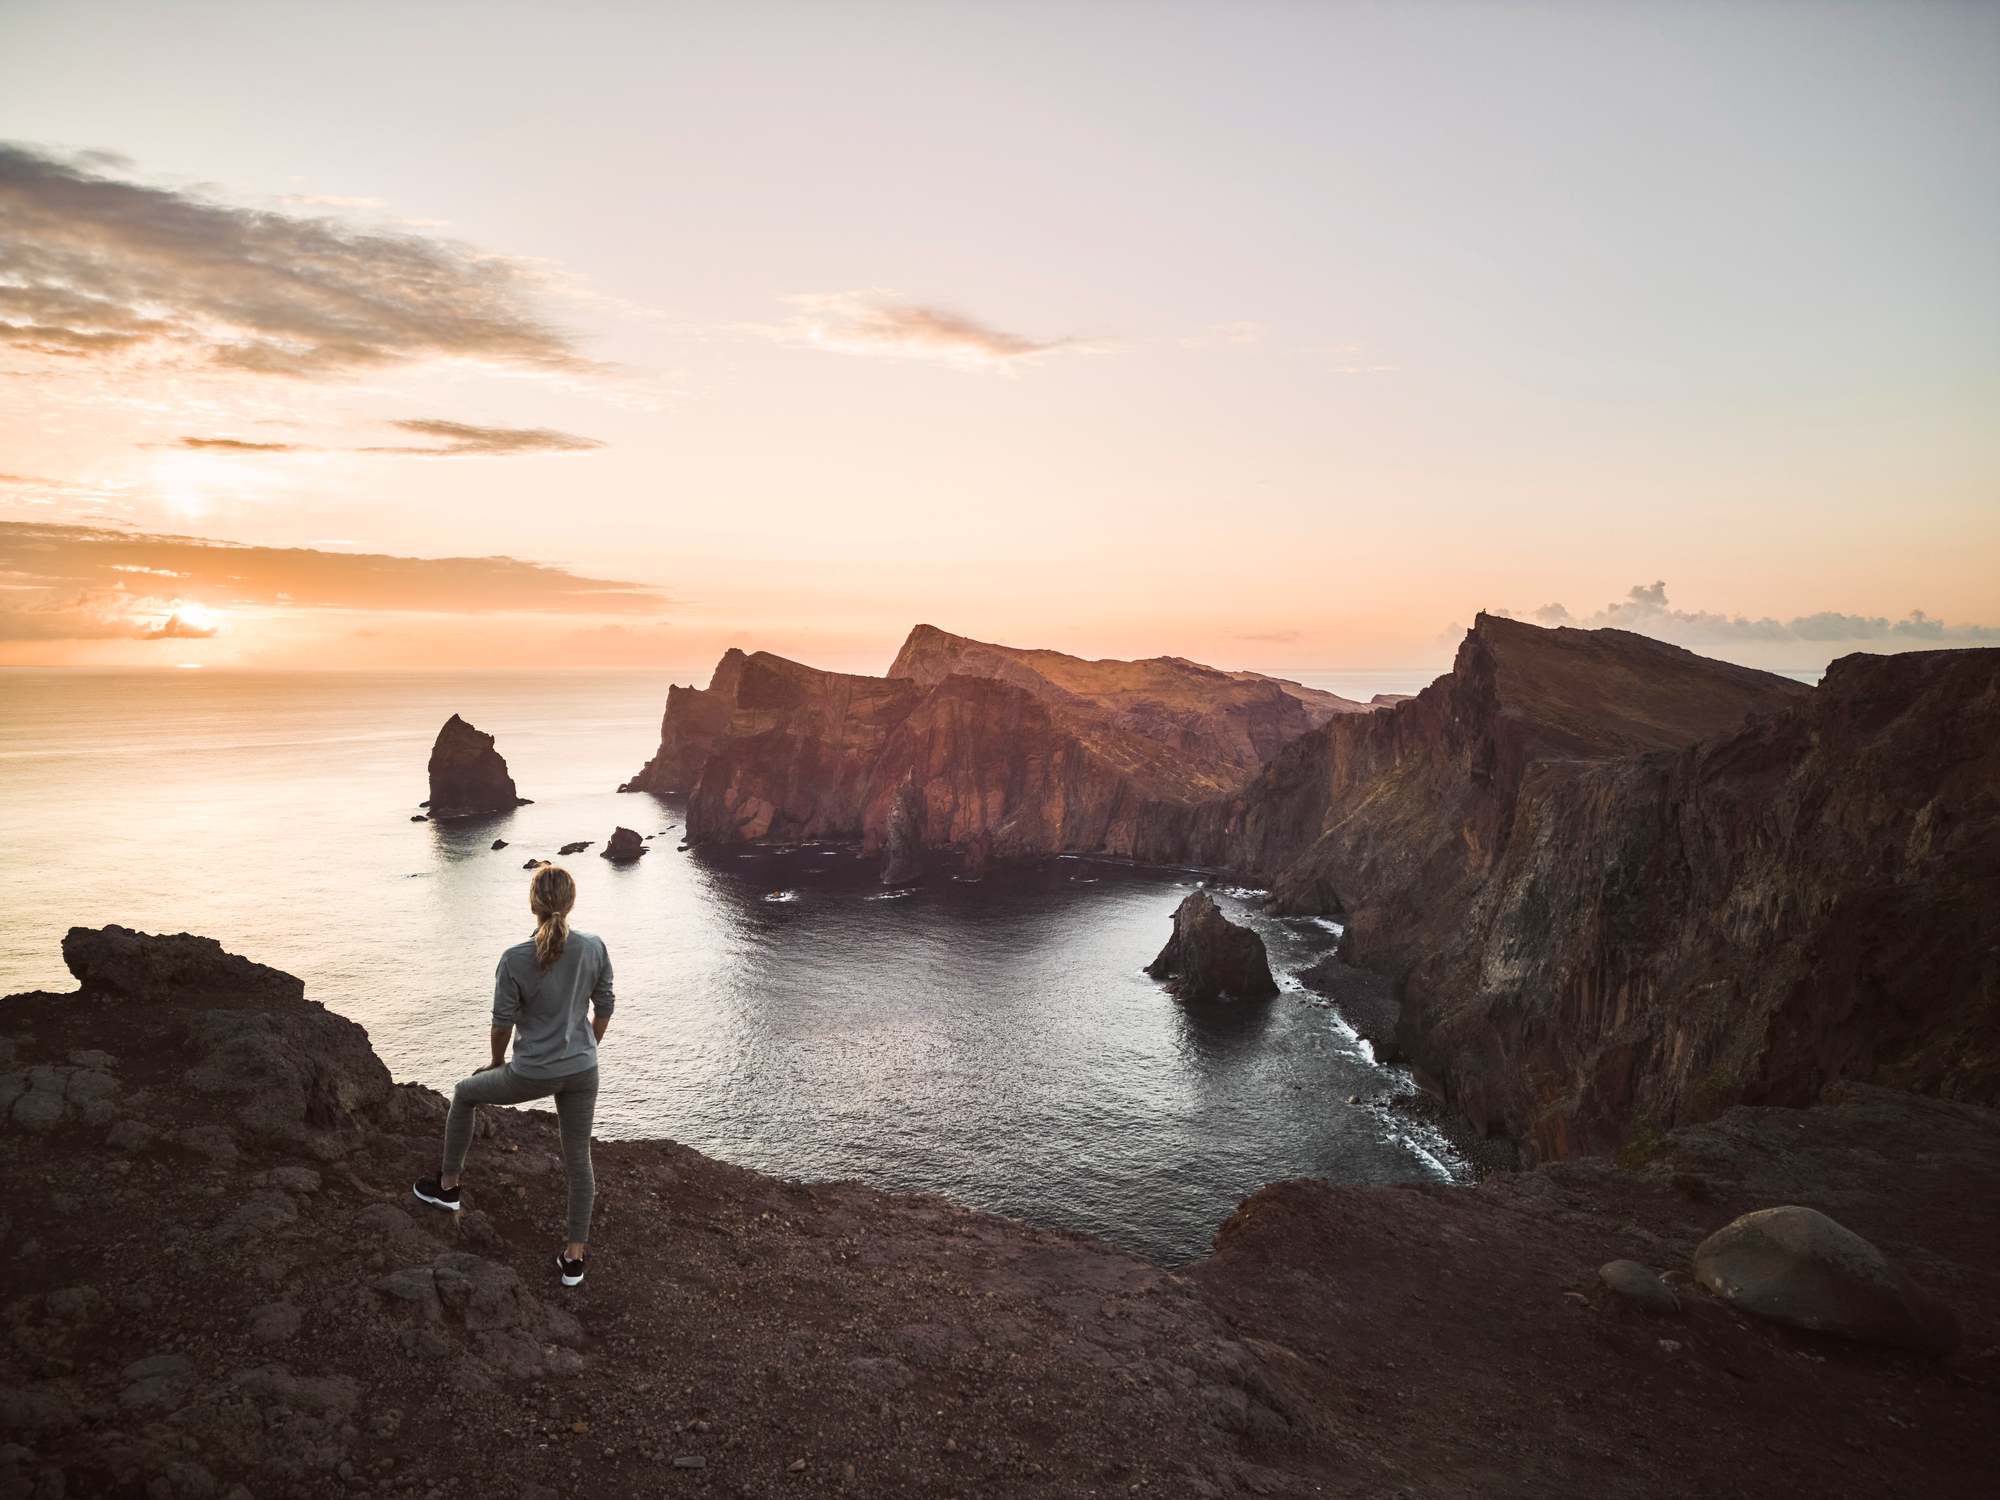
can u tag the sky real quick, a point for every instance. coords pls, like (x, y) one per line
(1274, 335)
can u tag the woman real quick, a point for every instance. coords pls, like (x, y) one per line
(540, 993)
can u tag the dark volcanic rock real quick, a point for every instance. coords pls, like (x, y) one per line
(1210, 957)
(576, 848)
(241, 1317)
(499, 843)
(468, 776)
(1796, 1266)
(625, 846)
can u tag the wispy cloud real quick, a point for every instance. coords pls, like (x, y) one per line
(1646, 610)
(878, 323)
(452, 440)
(86, 583)
(93, 265)
(464, 440)
(239, 445)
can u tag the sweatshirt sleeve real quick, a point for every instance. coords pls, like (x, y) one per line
(601, 996)
(506, 995)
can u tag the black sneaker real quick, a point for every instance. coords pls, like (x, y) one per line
(572, 1270)
(427, 1189)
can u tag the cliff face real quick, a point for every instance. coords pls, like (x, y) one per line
(1404, 810)
(1622, 887)
(1816, 896)
(1009, 751)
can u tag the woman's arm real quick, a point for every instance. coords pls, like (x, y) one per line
(602, 995)
(500, 1036)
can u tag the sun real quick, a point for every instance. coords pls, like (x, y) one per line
(198, 616)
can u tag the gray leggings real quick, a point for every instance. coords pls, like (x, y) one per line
(576, 1103)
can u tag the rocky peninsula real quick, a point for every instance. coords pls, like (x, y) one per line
(1010, 751)
(219, 1280)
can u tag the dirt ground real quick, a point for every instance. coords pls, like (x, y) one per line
(220, 1285)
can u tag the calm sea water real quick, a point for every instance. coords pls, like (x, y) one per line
(995, 1042)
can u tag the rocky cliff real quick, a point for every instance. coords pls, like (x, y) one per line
(468, 776)
(1621, 887)
(218, 1278)
(1010, 751)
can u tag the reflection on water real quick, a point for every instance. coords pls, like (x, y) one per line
(992, 1040)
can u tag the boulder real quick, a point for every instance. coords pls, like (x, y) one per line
(1209, 956)
(625, 846)
(534, 864)
(576, 848)
(1798, 1267)
(1639, 1285)
(499, 843)
(468, 776)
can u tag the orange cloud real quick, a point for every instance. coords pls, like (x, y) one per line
(78, 583)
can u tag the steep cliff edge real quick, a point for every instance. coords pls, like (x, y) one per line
(1622, 887)
(1814, 897)
(1010, 751)
(219, 1278)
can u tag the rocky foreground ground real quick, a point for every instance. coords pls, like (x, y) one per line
(219, 1285)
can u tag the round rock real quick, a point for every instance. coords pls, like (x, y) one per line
(1796, 1266)
(1639, 1285)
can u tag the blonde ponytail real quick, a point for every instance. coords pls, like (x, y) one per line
(551, 894)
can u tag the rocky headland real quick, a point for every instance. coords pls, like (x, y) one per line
(468, 777)
(1010, 752)
(1619, 888)
(220, 1286)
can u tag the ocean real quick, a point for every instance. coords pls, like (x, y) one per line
(994, 1042)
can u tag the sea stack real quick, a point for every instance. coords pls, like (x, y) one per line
(468, 776)
(903, 843)
(624, 847)
(1210, 957)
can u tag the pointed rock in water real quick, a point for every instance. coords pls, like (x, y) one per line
(903, 845)
(625, 846)
(1796, 1266)
(468, 776)
(1210, 956)
(534, 864)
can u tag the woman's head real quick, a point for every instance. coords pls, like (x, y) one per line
(551, 894)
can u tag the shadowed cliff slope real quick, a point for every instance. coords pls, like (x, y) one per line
(218, 1277)
(1024, 751)
(1623, 887)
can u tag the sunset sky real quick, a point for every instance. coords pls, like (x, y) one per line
(1274, 335)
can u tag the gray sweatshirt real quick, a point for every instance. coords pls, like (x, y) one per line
(546, 1007)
